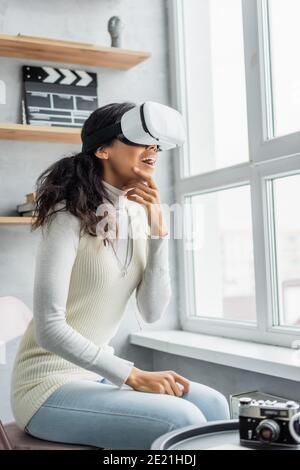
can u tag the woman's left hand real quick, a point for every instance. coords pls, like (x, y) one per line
(145, 192)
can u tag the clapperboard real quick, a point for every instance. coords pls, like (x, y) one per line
(58, 96)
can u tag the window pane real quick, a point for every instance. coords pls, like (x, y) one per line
(215, 79)
(223, 255)
(285, 64)
(287, 239)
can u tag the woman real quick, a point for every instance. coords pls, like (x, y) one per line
(67, 384)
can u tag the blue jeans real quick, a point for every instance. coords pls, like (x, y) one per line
(99, 413)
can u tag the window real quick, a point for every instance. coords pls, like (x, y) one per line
(215, 84)
(287, 248)
(284, 40)
(236, 80)
(223, 258)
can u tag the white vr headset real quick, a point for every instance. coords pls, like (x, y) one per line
(150, 123)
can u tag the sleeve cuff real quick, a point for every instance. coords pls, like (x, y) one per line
(112, 367)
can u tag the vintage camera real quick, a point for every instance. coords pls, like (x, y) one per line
(269, 422)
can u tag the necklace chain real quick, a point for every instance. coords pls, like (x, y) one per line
(124, 267)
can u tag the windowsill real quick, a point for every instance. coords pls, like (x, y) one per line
(265, 359)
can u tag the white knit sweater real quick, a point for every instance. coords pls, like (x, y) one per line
(78, 303)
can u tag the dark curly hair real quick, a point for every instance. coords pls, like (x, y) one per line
(77, 179)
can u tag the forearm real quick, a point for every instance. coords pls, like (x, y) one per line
(154, 291)
(60, 338)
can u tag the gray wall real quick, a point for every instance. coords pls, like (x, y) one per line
(228, 380)
(22, 162)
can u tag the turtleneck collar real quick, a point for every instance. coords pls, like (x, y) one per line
(116, 195)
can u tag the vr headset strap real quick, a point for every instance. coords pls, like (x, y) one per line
(99, 136)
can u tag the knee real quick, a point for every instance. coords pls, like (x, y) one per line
(212, 402)
(186, 413)
(219, 408)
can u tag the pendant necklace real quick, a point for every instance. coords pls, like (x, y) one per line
(124, 266)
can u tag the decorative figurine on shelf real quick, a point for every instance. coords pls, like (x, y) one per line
(115, 25)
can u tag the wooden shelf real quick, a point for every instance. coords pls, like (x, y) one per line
(57, 50)
(16, 220)
(40, 133)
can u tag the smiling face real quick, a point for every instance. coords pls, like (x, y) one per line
(119, 159)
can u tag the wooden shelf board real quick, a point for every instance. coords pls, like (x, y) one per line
(40, 133)
(57, 50)
(16, 220)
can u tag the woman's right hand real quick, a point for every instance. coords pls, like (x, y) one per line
(158, 382)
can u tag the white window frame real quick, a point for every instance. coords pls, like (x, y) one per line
(267, 159)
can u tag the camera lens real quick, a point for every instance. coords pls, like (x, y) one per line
(268, 430)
